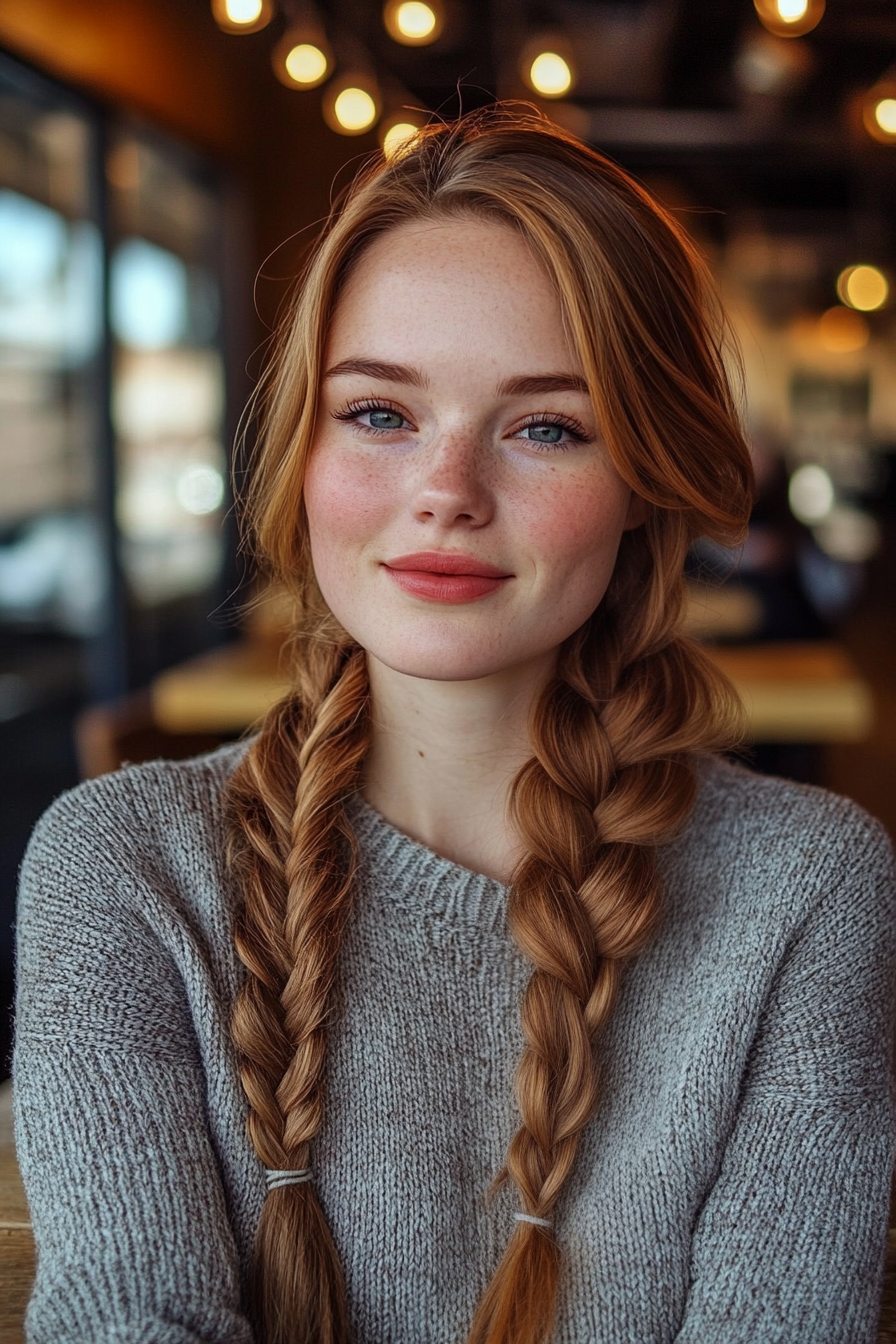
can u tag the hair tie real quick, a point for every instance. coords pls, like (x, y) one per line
(530, 1218)
(276, 1179)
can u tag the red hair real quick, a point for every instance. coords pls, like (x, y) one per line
(613, 737)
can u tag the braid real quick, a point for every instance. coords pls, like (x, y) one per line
(294, 852)
(613, 736)
(610, 779)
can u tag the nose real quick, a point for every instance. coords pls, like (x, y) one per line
(451, 486)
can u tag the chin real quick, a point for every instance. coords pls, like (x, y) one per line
(449, 663)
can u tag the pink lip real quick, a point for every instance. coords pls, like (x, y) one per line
(446, 562)
(439, 576)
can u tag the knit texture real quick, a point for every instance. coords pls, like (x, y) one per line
(732, 1187)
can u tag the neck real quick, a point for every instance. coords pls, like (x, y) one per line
(442, 758)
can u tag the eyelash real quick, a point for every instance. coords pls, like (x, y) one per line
(353, 409)
(572, 427)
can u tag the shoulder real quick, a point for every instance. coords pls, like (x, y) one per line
(140, 822)
(779, 848)
(737, 806)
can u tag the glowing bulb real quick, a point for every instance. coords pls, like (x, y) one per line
(863, 287)
(243, 11)
(306, 64)
(355, 110)
(811, 494)
(791, 11)
(885, 115)
(840, 330)
(398, 135)
(412, 22)
(790, 18)
(550, 75)
(242, 16)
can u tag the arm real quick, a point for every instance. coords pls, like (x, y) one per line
(790, 1242)
(129, 1216)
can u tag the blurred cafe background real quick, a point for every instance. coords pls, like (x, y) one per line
(162, 165)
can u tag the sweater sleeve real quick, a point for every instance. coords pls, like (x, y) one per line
(129, 1216)
(789, 1245)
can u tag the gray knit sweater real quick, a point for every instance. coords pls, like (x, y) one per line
(732, 1188)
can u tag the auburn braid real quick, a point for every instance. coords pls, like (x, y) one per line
(610, 779)
(294, 852)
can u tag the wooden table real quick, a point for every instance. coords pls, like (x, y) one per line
(808, 692)
(16, 1241)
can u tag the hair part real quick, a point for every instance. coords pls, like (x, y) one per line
(614, 736)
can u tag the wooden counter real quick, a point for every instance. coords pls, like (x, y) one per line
(16, 1241)
(792, 692)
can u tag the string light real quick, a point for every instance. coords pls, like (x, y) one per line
(395, 132)
(550, 75)
(242, 16)
(879, 112)
(302, 59)
(863, 287)
(790, 18)
(413, 23)
(351, 105)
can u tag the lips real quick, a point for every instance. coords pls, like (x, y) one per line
(446, 562)
(438, 576)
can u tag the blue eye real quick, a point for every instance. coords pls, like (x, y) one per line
(545, 433)
(385, 419)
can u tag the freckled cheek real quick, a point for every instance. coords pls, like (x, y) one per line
(572, 527)
(345, 504)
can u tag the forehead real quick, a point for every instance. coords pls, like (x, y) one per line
(427, 285)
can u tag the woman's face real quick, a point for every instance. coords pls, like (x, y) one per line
(464, 514)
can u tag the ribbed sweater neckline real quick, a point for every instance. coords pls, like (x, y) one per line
(409, 874)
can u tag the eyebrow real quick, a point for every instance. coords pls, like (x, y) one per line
(380, 369)
(525, 386)
(533, 383)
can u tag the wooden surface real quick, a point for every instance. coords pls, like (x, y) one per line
(16, 1241)
(791, 692)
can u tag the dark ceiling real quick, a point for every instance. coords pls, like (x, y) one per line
(664, 83)
(648, 53)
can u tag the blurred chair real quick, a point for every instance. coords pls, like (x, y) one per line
(107, 736)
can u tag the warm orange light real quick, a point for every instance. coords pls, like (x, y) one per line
(396, 132)
(863, 287)
(547, 66)
(242, 16)
(789, 18)
(841, 331)
(549, 75)
(351, 104)
(879, 112)
(302, 59)
(414, 23)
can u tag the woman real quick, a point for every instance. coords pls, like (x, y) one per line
(272, 1001)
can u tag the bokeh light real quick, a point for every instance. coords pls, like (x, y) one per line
(306, 64)
(811, 494)
(789, 18)
(395, 136)
(841, 331)
(242, 16)
(351, 107)
(412, 22)
(549, 74)
(863, 287)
